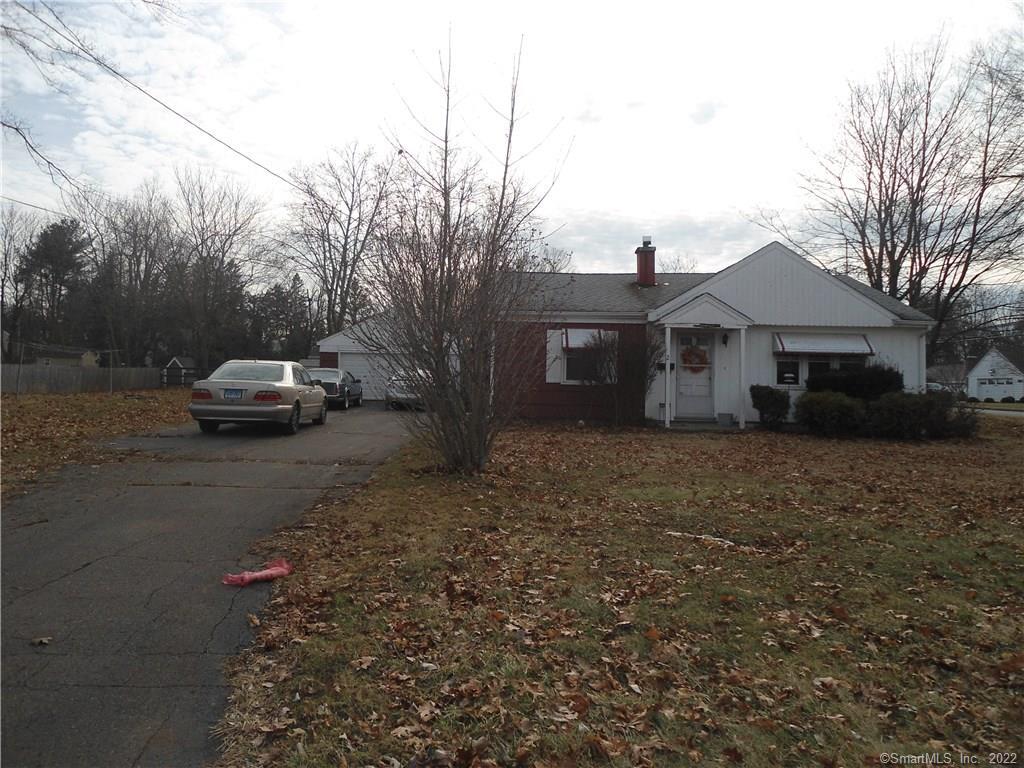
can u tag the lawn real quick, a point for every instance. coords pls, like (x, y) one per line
(43, 432)
(999, 406)
(649, 598)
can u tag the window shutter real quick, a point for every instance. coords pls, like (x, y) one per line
(554, 358)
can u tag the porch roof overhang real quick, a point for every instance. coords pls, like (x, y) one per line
(821, 344)
(704, 311)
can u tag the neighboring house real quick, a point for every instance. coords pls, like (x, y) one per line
(180, 371)
(996, 376)
(772, 318)
(344, 350)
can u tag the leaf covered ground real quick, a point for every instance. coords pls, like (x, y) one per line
(43, 432)
(649, 598)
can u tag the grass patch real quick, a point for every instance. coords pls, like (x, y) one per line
(649, 598)
(43, 432)
(998, 406)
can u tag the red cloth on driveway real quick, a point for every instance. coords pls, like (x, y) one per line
(273, 570)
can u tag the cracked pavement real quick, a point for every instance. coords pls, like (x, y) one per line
(120, 565)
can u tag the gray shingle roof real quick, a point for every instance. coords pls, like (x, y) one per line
(884, 300)
(612, 293)
(618, 292)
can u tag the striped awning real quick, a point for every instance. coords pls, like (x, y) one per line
(821, 344)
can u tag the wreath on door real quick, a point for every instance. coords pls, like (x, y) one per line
(695, 359)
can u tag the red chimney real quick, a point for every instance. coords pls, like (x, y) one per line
(645, 263)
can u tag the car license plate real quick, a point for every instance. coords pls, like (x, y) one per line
(233, 394)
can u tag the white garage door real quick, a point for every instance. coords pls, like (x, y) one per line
(369, 367)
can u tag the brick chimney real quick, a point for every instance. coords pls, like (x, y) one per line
(645, 263)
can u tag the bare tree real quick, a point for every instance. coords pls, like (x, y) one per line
(43, 35)
(924, 195)
(625, 366)
(677, 262)
(448, 286)
(220, 253)
(133, 243)
(17, 232)
(553, 259)
(332, 225)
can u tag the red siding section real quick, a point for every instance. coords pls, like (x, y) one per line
(541, 400)
(328, 359)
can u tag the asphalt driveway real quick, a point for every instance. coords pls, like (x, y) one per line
(118, 567)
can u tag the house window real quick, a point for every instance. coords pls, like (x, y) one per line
(583, 355)
(787, 371)
(818, 365)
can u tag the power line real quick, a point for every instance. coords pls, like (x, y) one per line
(149, 95)
(31, 205)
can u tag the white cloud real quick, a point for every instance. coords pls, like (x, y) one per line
(640, 97)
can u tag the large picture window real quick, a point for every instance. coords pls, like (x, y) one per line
(585, 353)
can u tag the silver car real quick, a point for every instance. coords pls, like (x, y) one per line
(242, 391)
(400, 392)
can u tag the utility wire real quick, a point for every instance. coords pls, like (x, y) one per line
(89, 54)
(31, 205)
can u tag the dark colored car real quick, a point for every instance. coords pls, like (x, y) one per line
(342, 387)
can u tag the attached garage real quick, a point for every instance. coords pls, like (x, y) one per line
(343, 350)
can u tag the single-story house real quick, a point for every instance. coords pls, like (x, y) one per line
(771, 318)
(996, 376)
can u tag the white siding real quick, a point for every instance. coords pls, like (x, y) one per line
(899, 347)
(776, 287)
(994, 366)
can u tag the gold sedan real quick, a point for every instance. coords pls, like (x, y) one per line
(243, 391)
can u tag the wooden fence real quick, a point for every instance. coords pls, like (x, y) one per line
(68, 379)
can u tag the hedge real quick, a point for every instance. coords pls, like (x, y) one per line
(831, 414)
(772, 404)
(867, 383)
(895, 415)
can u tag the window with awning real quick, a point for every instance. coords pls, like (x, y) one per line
(821, 344)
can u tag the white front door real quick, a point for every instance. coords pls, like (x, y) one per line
(693, 376)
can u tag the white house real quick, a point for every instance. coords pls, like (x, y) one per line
(771, 318)
(995, 377)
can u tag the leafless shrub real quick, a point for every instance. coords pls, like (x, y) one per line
(448, 283)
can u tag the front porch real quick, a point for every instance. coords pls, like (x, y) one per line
(705, 376)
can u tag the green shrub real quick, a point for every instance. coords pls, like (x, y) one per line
(1008, 399)
(972, 399)
(772, 404)
(989, 400)
(831, 414)
(867, 383)
(907, 416)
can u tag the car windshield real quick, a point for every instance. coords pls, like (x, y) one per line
(249, 372)
(324, 374)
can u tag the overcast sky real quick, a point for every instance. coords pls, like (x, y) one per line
(677, 120)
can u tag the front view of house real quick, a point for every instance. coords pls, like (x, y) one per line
(772, 318)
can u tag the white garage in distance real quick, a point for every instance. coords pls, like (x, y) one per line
(344, 350)
(994, 377)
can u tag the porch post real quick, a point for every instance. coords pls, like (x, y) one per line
(668, 366)
(743, 378)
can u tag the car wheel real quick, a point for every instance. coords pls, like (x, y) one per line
(207, 426)
(292, 427)
(359, 400)
(344, 402)
(322, 418)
